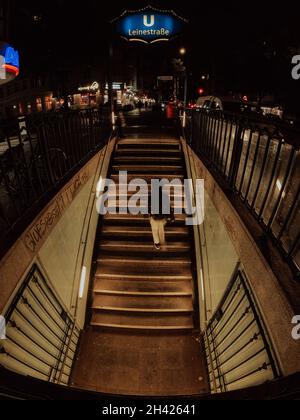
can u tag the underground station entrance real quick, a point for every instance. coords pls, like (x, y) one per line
(148, 249)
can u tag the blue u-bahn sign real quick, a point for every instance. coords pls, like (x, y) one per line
(9, 63)
(149, 25)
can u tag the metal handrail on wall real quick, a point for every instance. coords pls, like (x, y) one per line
(260, 161)
(38, 154)
(236, 344)
(238, 349)
(201, 256)
(41, 336)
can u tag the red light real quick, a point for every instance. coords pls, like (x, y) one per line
(200, 91)
(11, 69)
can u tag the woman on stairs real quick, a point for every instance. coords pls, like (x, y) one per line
(160, 218)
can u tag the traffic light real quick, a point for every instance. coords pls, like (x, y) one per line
(200, 91)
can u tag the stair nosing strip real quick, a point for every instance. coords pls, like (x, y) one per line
(105, 231)
(162, 277)
(150, 246)
(141, 327)
(143, 294)
(143, 310)
(177, 262)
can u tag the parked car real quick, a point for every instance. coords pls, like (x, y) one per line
(210, 103)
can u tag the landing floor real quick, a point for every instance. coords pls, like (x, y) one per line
(138, 364)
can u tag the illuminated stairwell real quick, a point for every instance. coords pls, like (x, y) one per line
(143, 337)
(135, 286)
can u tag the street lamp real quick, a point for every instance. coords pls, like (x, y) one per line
(182, 51)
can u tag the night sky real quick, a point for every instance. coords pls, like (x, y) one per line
(246, 46)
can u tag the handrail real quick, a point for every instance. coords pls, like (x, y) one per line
(17, 386)
(66, 344)
(41, 336)
(260, 162)
(235, 336)
(38, 155)
(208, 354)
(64, 361)
(197, 239)
(87, 222)
(200, 247)
(217, 381)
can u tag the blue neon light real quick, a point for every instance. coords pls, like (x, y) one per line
(12, 57)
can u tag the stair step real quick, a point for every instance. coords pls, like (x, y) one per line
(132, 246)
(145, 238)
(147, 140)
(142, 303)
(141, 294)
(139, 218)
(142, 237)
(141, 327)
(142, 201)
(104, 285)
(145, 321)
(119, 222)
(140, 144)
(115, 199)
(148, 177)
(143, 231)
(110, 220)
(145, 253)
(147, 168)
(135, 286)
(146, 257)
(132, 188)
(131, 278)
(113, 207)
(122, 268)
(120, 153)
(157, 260)
(145, 159)
(180, 194)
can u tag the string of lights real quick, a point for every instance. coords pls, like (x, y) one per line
(149, 8)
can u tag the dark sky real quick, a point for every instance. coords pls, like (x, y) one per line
(218, 21)
(245, 44)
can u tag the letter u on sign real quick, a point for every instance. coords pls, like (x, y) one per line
(147, 22)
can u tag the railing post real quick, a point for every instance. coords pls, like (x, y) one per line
(236, 155)
(42, 139)
(192, 129)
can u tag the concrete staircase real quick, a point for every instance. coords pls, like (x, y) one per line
(135, 286)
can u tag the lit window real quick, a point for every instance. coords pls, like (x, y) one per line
(48, 103)
(39, 104)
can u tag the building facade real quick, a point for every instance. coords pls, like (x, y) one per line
(5, 7)
(25, 96)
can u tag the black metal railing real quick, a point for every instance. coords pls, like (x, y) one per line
(38, 154)
(258, 160)
(41, 337)
(238, 349)
(17, 387)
